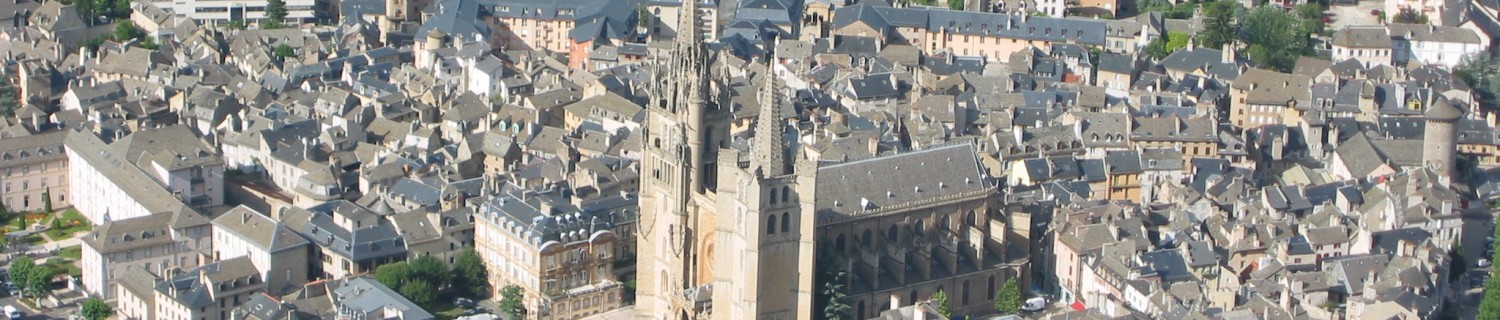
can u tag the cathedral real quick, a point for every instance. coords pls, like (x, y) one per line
(733, 228)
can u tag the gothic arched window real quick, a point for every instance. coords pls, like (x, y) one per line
(891, 234)
(786, 222)
(771, 224)
(786, 193)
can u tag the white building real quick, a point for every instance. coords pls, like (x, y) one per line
(157, 243)
(247, 11)
(1435, 45)
(277, 252)
(151, 171)
(1370, 45)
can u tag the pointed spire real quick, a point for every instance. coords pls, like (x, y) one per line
(769, 146)
(688, 24)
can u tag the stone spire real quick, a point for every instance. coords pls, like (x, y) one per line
(688, 32)
(769, 145)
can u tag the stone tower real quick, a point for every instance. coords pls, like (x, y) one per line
(765, 269)
(1439, 137)
(681, 136)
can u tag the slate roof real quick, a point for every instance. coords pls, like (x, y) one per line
(1083, 31)
(854, 188)
(368, 297)
(258, 229)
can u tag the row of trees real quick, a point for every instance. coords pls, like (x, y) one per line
(1489, 307)
(425, 280)
(29, 277)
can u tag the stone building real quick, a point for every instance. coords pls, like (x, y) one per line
(32, 169)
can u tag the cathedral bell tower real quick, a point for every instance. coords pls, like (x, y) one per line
(679, 146)
(766, 264)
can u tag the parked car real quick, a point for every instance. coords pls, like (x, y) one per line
(463, 302)
(11, 312)
(1483, 263)
(1374, 12)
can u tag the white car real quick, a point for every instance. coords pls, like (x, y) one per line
(12, 313)
(1484, 263)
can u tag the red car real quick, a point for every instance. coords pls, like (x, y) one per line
(1374, 12)
(1327, 19)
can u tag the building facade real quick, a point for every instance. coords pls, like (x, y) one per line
(33, 171)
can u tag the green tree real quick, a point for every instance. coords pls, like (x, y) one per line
(1275, 38)
(392, 275)
(236, 25)
(957, 5)
(469, 270)
(149, 43)
(940, 301)
(118, 9)
(644, 18)
(1482, 74)
(1409, 16)
(95, 309)
(1459, 263)
(1489, 307)
(1008, 298)
(510, 302)
(56, 223)
(282, 51)
(9, 96)
(1218, 23)
(87, 10)
(1311, 15)
(275, 14)
(427, 268)
(834, 307)
(126, 30)
(1166, 8)
(421, 292)
(47, 200)
(30, 277)
(829, 278)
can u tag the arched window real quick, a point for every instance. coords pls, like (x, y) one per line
(786, 193)
(839, 243)
(912, 297)
(945, 223)
(786, 222)
(771, 224)
(773, 196)
(891, 234)
(990, 292)
(964, 299)
(969, 218)
(861, 310)
(865, 239)
(919, 229)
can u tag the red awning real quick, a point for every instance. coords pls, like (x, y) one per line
(1078, 306)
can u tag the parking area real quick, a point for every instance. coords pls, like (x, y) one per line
(1354, 14)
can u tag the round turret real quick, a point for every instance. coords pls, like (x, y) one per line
(435, 38)
(1439, 137)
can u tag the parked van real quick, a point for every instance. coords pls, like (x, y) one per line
(1034, 304)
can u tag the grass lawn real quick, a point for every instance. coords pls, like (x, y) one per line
(63, 266)
(72, 222)
(35, 239)
(73, 252)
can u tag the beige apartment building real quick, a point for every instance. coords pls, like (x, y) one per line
(1261, 97)
(994, 36)
(33, 169)
(561, 257)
